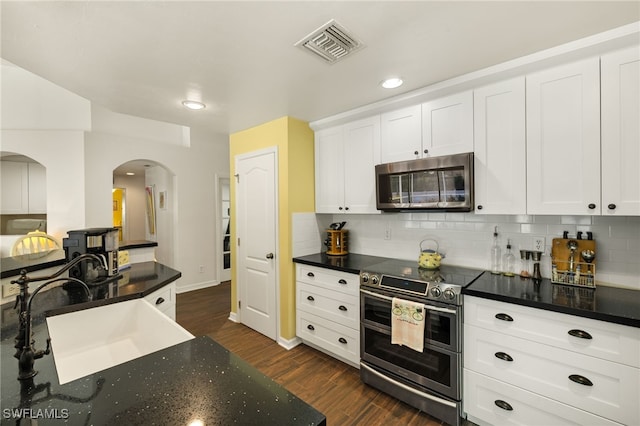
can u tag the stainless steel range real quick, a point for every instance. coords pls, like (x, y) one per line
(429, 380)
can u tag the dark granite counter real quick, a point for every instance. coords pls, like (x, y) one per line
(611, 304)
(11, 266)
(352, 263)
(191, 381)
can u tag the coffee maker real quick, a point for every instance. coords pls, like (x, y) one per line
(102, 242)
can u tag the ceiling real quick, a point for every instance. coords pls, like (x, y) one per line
(144, 57)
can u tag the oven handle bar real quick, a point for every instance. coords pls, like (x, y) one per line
(427, 307)
(408, 388)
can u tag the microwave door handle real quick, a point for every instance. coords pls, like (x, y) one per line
(426, 306)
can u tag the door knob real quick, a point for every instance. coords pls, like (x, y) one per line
(269, 255)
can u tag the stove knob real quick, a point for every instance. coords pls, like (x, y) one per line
(375, 280)
(436, 292)
(449, 294)
(364, 278)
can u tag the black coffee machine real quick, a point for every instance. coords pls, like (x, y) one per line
(102, 242)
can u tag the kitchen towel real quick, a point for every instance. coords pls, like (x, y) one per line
(407, 324)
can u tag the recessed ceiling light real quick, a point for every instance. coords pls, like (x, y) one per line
(130, 174)
(195, 105)
(391, 83)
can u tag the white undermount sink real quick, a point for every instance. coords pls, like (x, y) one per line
(87, 341)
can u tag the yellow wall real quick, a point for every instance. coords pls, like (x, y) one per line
(294, 140)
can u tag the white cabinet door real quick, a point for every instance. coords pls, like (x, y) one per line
(401, 134)
(15, 187)
(621, 132)
(361, 154)
(500, 148)
(563, 139)
(447, 125)
(329, 170)
(37, 188)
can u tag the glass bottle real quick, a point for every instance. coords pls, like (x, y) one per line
(508, 262)
(495, 253)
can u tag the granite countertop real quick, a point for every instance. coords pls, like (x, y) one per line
(352, 263)
(194, 380)
(611, 304)
(133, 244)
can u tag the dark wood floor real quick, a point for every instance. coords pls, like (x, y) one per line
(330, 386)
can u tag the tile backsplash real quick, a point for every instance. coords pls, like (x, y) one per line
(466, 238)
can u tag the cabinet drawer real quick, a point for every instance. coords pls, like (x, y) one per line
(164, 300)
(554, 373)
(613, 342)
(329, 279)
(489, 401)
(331, 337)
(337, 307)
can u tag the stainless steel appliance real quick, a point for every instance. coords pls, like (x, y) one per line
(434, 183)
(430, 380)
(102, 242)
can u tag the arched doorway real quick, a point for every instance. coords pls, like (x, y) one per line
(144, 205)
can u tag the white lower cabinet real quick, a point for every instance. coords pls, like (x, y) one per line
(517, 363)
(164, 300)
(328, 311)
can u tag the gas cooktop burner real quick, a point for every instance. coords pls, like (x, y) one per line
(405, 277)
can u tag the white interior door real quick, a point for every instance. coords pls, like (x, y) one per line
(256, 210)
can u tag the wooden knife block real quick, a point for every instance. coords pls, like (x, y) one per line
(582, 273)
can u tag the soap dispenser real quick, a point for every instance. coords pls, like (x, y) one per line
(509, 262)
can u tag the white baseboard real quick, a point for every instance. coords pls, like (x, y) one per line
(233, 317)
(195, 286)
(289, 344)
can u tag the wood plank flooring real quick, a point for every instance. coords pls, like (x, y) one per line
(330, 386)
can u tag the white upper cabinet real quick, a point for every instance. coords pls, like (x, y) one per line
(447, 125)
(563, 139)
(620, 88)
(345, 167)
(24, 188)
(401, 135)
(500, 148)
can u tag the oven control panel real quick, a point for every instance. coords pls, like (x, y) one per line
(440, 291)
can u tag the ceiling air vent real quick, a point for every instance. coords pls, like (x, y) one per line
(331, 42)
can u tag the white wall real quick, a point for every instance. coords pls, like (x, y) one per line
(466, 238)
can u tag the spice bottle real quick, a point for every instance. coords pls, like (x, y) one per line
(525, 270)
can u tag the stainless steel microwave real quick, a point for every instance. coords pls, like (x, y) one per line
(436, 183)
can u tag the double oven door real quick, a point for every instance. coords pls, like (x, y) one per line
(437, 367)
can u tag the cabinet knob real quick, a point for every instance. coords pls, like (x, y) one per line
(612, 206)
(479, 206)
(416, 152)
(503, 404)
(310, 298)
(342, 308)
(426, 151)
(340, 208)
(310, 274)
(591, 206)
(269, 255)
(342, 340)
(581, 380)
(310, 327)
(343, 282)
(346, 208)
(159, 301)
